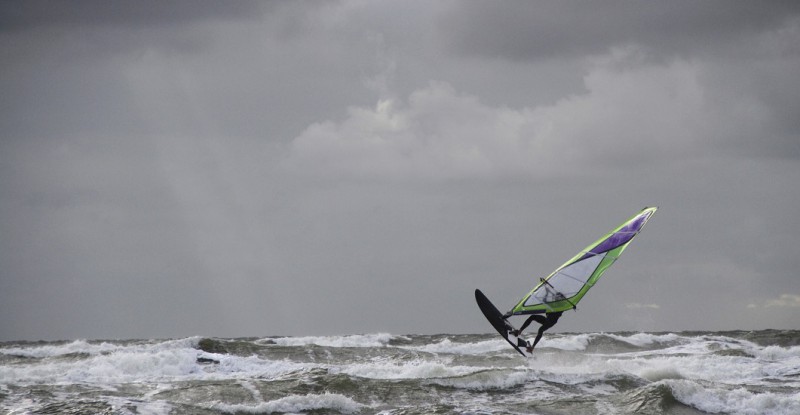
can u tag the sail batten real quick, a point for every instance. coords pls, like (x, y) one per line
(566, 286)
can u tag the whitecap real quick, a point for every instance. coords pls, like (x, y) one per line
(569, 342)
(487, 380)
(355, 340)
(646, 339)
(473, 348)
(53, 350)
(380, 368)
(296, 403)
(738, 400)
(167, 360)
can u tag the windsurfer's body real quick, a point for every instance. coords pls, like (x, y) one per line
(546, 321)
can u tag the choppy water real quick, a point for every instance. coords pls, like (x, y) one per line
(649, 373)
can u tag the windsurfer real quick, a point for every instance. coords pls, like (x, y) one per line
(546, 321)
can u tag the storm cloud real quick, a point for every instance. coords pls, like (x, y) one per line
(304, 168)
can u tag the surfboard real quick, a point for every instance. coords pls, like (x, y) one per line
(500, 324)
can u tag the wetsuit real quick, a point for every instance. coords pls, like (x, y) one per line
(546, 321)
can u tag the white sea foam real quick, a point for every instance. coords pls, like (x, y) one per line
(735, 401)
(48, 350)
(566, 342)
(709, 372)
(687, 361)
(725, 369)
(561, 342)
(473, 348)
(696, 346)
(139, 407)
(777, 352)
(488, 379)
(169, 360)
(296, 403)
(578, 342)
(572, 342)
(356, 340)
(95, 348)
(381, 368)
(655, 374)
(646, 339)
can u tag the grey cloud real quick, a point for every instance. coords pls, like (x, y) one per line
(553, 29)
(24, 15)
(641, 114)
(310, 167)
(166, 78)
(785, 300)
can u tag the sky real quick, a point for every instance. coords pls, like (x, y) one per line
(241, 169)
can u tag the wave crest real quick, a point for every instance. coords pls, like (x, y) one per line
(297, 403)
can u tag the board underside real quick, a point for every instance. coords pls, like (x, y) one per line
(500, 324)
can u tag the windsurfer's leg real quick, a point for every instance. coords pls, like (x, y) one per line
(538, 336)
(539, 319)
(545, 325)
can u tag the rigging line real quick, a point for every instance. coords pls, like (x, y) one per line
(574, 307)
(576, 279)
(559, 272)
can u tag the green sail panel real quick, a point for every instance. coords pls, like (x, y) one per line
(566, 286)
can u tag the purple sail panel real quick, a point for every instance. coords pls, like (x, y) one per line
(620, 237)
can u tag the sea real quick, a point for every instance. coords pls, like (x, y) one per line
(732, 372)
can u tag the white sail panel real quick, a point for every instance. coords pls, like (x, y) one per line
(565, 282)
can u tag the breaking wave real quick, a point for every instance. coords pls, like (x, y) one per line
(651, 373)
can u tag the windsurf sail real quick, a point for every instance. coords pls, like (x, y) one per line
(566, 286)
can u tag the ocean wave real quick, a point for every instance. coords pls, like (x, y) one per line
(173, 360)
(661, 373)
(777, 352)
(94, 348)
(565, 342)
(414, 369)
(608, 341)
(381, 373)
(71, 348)
(646, 339)
(737, 401)
(653, 398)
(470, 348)
(355, 340)
(569, 342)
(728, 369)
(486, 380)
(296, 403)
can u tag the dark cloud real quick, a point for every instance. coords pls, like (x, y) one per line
(84, 75)
(553, 29)
(34, 14)
(342, 167)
